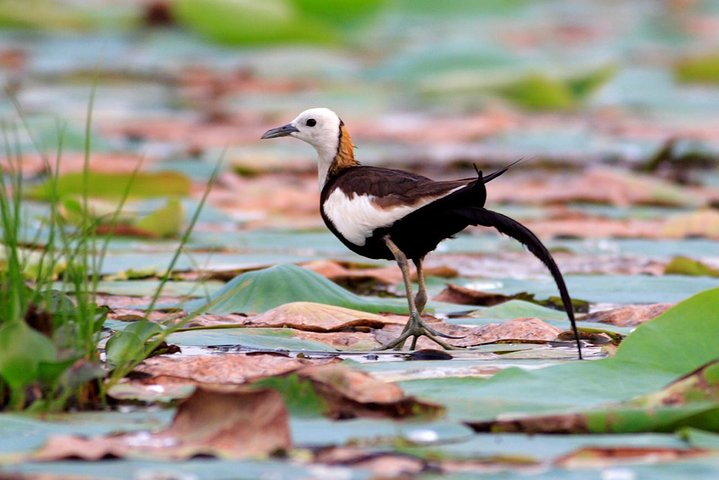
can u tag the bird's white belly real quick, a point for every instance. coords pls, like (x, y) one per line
(357, 217)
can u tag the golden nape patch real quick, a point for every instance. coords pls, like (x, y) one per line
(345, 152)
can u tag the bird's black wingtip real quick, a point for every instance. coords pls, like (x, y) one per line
(501, 171)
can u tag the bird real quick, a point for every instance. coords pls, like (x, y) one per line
(391, 214)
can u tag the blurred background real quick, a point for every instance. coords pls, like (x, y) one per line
(613, 105)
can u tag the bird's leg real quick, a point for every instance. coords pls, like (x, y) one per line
(420, 300)
(415, 326)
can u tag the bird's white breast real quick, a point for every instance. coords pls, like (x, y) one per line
(357, 216)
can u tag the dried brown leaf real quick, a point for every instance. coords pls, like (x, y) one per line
(212, 320)
(386, 464)
(229, 423)
(629, 315)
(120, 303)
(363, 341)
(599, 457)
(530, 329)
(317, 317)
(224, 369)
(565, 424)
(702, 223)
(469, 296)
(340, 272)
(236, 423)
(352, 393)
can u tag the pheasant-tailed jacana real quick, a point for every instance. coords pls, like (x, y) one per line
(391, 214)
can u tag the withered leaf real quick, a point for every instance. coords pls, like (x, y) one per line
(598, 457)
(696, 386)
(225, 369)
(569, 423)
(702, 223)
(629, 315)
(386, 464)
(232, 422)
(469, 296)
(351, 393)
(236, 422)
(341, 340)
(317, 317)
(341, 272)
(531, 329)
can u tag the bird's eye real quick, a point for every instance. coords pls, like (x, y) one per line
(311, 122)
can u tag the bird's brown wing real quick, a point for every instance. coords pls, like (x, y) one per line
(390, 187)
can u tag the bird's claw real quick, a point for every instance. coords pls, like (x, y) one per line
(443, 335)
(416, 328)
(429, 329)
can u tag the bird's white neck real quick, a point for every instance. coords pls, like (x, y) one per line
(325, 158)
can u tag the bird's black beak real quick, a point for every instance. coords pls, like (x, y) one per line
(282, 131)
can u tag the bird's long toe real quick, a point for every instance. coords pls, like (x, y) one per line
(440, 334)
(415, 329)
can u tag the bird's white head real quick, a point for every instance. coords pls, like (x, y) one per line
(321, 128)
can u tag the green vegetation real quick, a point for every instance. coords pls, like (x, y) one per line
(688, 266)
(538, 91)
(50, 322)
(698, 69)
(49, 358)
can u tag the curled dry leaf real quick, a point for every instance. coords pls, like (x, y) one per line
(564, 424)
(340, 272)
(517, 329)
(702, 223)
(441, 270)
(348, 272)
(532, 329)
(357, 341)
(351, 393)
(386, 464)
(224, 369)
(317, 317)
(699, 385)
(406, 465)
(122, 304)
(629, 315)
(469, 296)
(599, 457)
(236, 422)
(212, 320)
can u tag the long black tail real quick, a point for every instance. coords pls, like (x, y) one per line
(514, 229)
